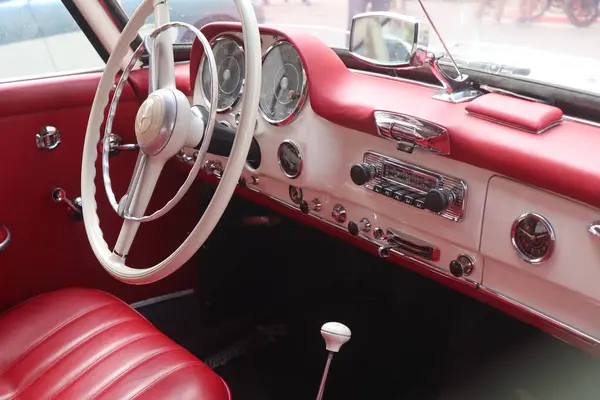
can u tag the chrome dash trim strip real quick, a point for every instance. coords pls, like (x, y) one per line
(581, 121)
(397, 78)
(494, 89)
(159, 299)
(546, 319)
(515, 126)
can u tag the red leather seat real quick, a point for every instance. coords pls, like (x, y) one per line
(86, 344)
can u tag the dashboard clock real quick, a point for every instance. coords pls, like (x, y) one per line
(289, 157)
(533, 237)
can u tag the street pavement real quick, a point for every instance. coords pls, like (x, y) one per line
(455, 21)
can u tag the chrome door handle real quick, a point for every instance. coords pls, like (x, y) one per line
(4, 237)
(594, 228)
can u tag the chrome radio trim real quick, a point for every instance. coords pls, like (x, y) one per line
(411, 132)
(455, 212)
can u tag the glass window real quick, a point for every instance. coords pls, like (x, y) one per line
(194, 12)
(553, 41)
(40, 37)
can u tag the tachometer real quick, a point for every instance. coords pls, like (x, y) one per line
(283, 84)
(229, 57)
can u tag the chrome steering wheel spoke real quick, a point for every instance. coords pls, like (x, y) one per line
(160, 125)
(133, 205)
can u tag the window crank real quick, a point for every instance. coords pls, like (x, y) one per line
(60, 196)
(116, 145)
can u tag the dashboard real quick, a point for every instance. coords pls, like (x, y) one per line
(395, 177)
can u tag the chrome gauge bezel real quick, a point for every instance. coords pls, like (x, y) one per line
(213, 43)
(300, 158)
(303, 92)
(551, 244)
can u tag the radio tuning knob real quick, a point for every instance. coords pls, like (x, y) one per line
(437, 200)
(362, 173)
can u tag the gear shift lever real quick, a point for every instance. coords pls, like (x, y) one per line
(335, 335)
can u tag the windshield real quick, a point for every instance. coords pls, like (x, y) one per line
(550, 41)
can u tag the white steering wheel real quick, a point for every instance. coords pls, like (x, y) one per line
(165, 123)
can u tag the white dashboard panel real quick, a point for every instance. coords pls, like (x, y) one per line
(329, 151)
(566, 286)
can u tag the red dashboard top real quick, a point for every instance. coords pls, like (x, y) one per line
(562, 160)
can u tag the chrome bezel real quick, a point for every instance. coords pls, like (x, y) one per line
(213, 43)
(551, 243)
(295, 189)
(303, 94)
(300, 157)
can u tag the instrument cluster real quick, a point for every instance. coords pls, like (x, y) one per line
(284, 83)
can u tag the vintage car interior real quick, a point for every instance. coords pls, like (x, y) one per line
(260, 216)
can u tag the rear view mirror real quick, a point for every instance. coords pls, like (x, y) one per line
(389, 40)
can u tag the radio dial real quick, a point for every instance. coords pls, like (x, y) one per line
(438, 200)
(362, 173)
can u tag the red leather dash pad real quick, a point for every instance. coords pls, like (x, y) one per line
(517, 113)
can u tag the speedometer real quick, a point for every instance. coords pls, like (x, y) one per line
(283, 84)
(229, 57)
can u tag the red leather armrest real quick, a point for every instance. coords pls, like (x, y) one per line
(517, 113)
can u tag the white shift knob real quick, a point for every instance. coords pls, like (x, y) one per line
(335, 335)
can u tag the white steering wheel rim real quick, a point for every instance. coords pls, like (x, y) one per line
(114, 263)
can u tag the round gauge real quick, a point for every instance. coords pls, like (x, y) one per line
(290, 159)
(533, 238)
(229, 57)
(295, 194)
(283, 84)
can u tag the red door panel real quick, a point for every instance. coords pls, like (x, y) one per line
(49, 249)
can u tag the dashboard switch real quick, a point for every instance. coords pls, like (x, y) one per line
(362, 173)
(339, 213)
(314, 205)
(353, 228)
(364, 225)
(462, 266)
(379, 234)
(438, 200)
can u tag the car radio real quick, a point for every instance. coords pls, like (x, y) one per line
(412, 185)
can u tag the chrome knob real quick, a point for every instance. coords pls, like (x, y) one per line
(339, 213)
(314, 205)
(378, 234)
(75, 205)
(462, 266)
(364, 225)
